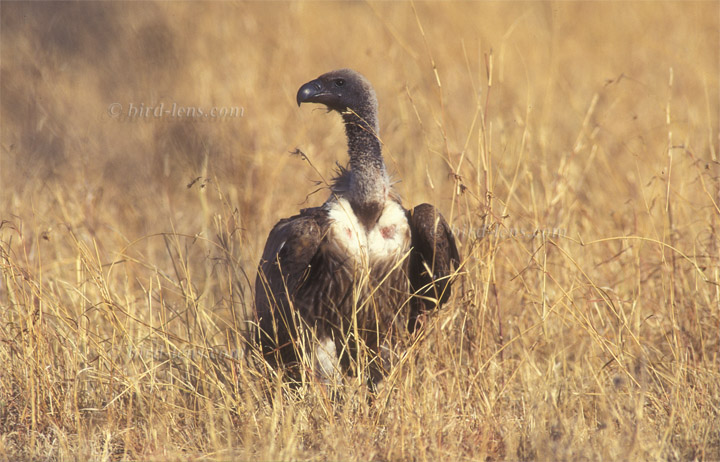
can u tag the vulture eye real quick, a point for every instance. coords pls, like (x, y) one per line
(339, 82)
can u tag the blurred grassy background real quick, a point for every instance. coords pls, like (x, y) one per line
(599, 119)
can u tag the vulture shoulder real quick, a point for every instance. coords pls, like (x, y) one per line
(433, 260)
(288, 253)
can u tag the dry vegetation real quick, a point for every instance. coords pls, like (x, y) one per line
(127, 245)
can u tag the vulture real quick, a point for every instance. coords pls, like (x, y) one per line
(340, 286)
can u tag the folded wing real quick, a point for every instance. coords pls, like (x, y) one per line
(433, 260)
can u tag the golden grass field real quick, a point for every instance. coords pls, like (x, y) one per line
(129, 243)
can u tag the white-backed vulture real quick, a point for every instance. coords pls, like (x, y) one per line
(351, 275)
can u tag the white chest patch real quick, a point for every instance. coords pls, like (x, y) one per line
(389, 239)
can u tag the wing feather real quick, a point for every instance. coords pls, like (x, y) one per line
(284, 267)
(433, 260)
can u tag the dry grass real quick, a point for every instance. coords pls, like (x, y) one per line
(122, 285)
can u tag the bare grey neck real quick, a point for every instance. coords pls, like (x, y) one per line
(369, 182)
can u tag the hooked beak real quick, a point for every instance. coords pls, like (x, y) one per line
(310, 92)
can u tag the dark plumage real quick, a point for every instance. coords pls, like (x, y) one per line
(356, 272)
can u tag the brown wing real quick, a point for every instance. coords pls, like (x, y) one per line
(432, 260)
(285, 265)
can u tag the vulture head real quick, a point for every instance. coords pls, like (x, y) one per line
(342, 90)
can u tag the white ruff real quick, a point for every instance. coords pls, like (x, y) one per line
(388, 239)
